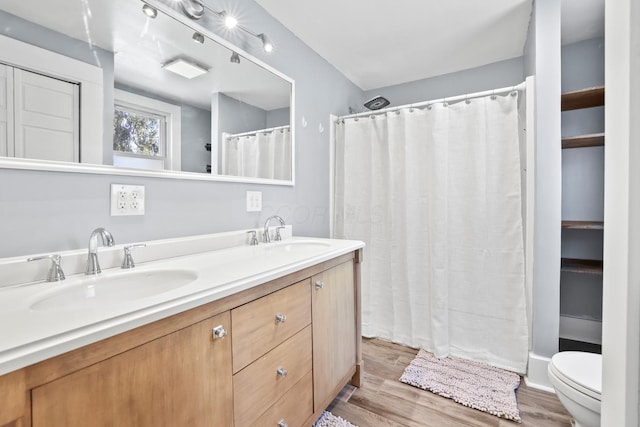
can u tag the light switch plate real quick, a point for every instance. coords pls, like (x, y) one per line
(254, 201)
(127, 200)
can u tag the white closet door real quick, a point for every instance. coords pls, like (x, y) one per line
(46, 117)
(6, 110)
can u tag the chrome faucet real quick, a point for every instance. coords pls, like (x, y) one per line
(265, 235)
(93, 266)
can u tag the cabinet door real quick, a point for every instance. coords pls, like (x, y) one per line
(334, 331)
(182, 379)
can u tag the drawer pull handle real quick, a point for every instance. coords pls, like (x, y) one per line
(282, 372)
(319, 285)
(281, 318)
(219, 332)
(282, 423)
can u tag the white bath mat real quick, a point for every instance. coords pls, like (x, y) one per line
(471, 384)
(329, 420)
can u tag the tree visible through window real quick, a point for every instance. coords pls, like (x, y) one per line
(137, 133)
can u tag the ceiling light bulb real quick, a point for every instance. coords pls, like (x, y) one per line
(266, 43)
(198, 38)
(229, 20)
(149, 11)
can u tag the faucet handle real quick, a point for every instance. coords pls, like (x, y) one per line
(127, 262)
(254, 238)
(55, 273)
(278, 235)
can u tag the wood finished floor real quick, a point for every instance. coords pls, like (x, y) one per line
(385, 401)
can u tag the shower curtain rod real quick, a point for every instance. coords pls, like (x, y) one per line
(255, 132)
(435, 101)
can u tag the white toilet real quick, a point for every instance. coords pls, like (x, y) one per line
(577, 379)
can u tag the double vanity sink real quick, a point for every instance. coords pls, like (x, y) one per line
(84, 292)
(206, 330)
(60, 316)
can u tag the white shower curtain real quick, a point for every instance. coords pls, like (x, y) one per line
(435, 194)
(263, 154)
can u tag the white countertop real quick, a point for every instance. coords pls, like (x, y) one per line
(28, 336)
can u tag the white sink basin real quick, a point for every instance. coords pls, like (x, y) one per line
(90, 291)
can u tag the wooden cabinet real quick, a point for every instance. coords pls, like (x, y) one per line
(183, 379)
(291, 344)
(271, 356)
(265, 381)
(334, 331)
(261, 325)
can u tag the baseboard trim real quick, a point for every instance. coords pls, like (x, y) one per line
(537, 376)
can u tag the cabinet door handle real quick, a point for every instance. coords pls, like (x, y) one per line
(319, 284)
(219, 332)
(282, 423)
(282, 372)
(281, 318)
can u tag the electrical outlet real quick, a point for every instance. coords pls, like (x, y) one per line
(127, 200)
(254, 201)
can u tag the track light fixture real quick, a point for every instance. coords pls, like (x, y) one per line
(235, 58)
(149, 11)
(266, 43)
(229, 21)
(198, 38)
(194, 9)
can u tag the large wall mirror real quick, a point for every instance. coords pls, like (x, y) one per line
(95, 82)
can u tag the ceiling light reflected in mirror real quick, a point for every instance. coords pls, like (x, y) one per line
(198, 38)
(185, 68)
(149, 11)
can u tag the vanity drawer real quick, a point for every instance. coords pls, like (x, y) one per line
(259, 385)
(261, 325)
(293, 408)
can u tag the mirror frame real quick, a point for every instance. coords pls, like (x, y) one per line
(91, 168)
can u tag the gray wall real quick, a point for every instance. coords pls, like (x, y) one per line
(582, 181)
(492, 76)
(236, 116)
(195, 134)
(28, 32)
(279, 117)
(53, 211)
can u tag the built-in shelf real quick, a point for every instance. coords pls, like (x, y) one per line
(586, 266)
(583, 98)
(583, 225)
(581, 141)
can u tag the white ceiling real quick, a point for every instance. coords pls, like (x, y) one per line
(376, 43)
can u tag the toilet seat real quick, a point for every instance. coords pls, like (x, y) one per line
(580, 371)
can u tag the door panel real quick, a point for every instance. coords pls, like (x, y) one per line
(47, 118)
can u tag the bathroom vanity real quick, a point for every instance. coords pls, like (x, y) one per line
(265, 335)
